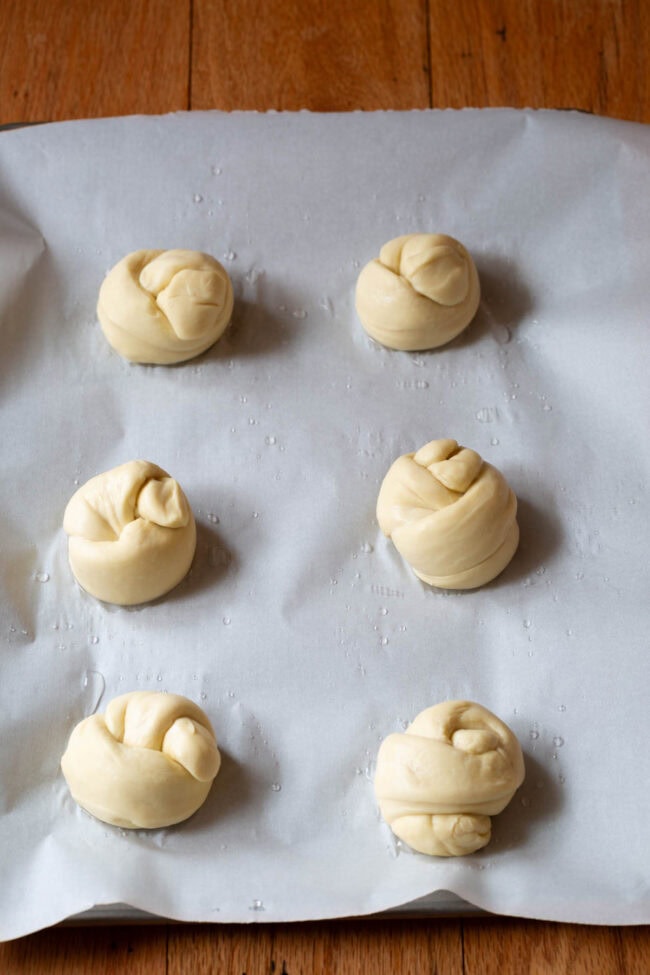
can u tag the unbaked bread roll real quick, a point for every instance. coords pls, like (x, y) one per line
(451, 515)
(132, 534)
(420, 292)
(438, 783)
(148, 762)
(165, 306)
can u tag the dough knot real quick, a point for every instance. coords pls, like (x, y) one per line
(420, 292)
(439, 782)
(132, 535)
(451, 515)
(163, 307)
(148, 762)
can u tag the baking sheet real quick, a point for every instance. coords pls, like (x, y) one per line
(300, 630)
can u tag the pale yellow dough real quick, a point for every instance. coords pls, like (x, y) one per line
(451, 515)
(438, 783)
(132, 534)
(148, 762)
(420, 292)
(163, 307)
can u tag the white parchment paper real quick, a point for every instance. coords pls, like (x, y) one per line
(300, 630)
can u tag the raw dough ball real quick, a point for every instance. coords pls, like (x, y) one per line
(452, 516)
(438, 783)
(148, 762)
(165, 306)
(420, 293)
(131, 532)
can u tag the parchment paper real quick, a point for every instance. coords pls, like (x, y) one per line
(300, 630)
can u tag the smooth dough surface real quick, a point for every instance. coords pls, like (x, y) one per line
(132, 534)
(421, 292)
(451, 515)
(163, 307)
(439, 782)
(148, 762)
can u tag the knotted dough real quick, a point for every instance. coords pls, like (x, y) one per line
(420, 292)
(165, 306)
(132, 534)
(438, 783)
(148, 762)
(451, 515)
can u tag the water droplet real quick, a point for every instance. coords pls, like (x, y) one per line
(226, 621)
(204, 696)
(367, 548)
(494, 441)
(94, 640)
(561, 707)
(513, 396)
(269, 441)
(213, 518)
(533, 735)
(421, 384)
(216, 170)
(233, 429)
(197, 198)
(229, 255)
(383, 611)
(256, 514)
(257, 905)
(561, 779)
(525, 801)
(527, 624)
(333, 581)
(384, 641)
(326, 304)
(558, 742)
(252, 421)
(485, 414)
(299, 313)
(42, 576)
(276, 787)
(252, 275)
(547, 407)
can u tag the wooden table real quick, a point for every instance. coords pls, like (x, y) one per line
(83, 58)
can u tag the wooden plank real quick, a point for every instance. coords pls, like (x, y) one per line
(513, 947)
(62, 60)
(323, 56)
(527, 53)
(207, 950)
(336, 948)
(88, 951)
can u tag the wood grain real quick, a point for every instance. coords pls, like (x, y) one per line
(541, 949)
(323, 56)
(78, 59)
(88, 951)
(586, 54)
(337, 948)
